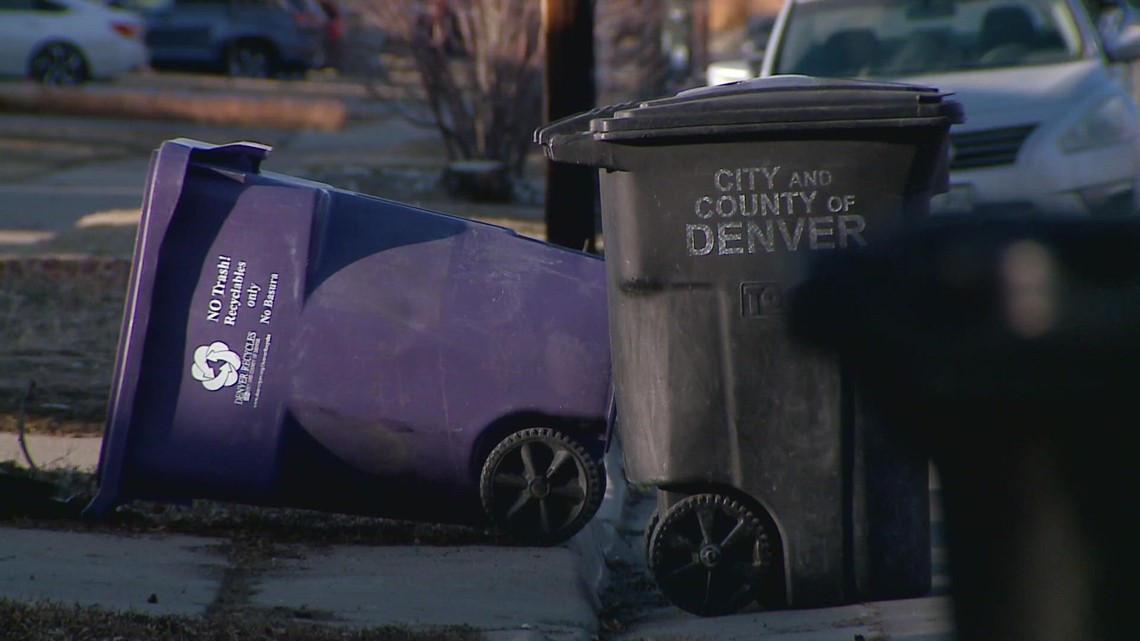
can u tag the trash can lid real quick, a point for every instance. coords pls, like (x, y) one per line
(779, 102)
(742, 110)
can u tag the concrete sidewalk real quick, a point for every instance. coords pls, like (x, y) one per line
(506, 592)
(509, 593)
(53, 452)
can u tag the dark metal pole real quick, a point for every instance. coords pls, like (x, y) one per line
(699, 37)
(571, 190)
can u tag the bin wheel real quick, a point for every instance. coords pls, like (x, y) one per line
(540, 486)
(710, 555)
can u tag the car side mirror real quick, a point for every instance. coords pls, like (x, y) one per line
(1120, 30)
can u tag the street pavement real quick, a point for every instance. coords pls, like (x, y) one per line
(511, 593)
(103, 165)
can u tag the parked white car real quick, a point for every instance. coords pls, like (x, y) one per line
(1051, 125)
(66, 42)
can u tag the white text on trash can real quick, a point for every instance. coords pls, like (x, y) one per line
(227, 294)
(223, 305)
(764, 209)
(235, 284)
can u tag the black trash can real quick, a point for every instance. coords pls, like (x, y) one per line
(774, 486)
(1008, 349)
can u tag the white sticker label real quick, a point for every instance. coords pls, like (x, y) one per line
(236, 289)
(215, 366)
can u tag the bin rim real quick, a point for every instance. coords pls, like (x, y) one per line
(170, 161)
(785, 105)
(774, 103)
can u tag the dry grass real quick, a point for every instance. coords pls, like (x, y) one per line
(55, 497)
(59, 325)
(57, 622)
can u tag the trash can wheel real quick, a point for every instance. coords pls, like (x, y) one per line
(540, 486)
(710, 555)
(647, 538)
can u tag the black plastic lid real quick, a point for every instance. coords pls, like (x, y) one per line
(777, 102)
(773, 104)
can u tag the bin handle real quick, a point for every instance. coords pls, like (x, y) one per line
(571, 139)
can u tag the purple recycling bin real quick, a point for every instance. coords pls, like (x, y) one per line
(288, 343)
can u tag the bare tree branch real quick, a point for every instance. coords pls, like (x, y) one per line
(479, 64)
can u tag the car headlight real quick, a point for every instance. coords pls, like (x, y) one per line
(1106, 124)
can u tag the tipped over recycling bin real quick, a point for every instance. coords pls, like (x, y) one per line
(288, 343)
(774, 485)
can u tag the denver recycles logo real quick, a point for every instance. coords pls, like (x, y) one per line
(215, 366)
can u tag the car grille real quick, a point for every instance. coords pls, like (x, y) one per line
(988, 148)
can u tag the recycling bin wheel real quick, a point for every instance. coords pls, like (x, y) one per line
(710, 555)
(540, 486)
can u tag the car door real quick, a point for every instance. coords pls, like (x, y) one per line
(186, 30)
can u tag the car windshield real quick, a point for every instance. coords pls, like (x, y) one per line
(890, 38)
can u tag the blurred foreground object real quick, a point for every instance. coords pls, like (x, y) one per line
(1010, 351)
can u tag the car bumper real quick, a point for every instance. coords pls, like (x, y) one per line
(1090, 183)
(118, 56)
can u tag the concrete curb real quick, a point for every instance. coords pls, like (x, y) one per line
(53, 452)
(598, 542)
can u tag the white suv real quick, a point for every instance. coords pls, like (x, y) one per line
(1051, 126)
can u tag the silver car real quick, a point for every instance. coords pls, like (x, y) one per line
(1051, 125)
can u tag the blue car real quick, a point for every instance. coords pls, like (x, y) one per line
(250, 38)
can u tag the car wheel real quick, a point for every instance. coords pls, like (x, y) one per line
(251, 60)
(540, 486)
(710, 555)
(58, 63)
